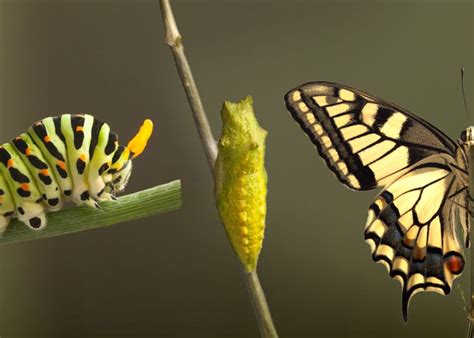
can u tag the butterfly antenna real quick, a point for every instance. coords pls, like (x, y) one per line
(464, 95)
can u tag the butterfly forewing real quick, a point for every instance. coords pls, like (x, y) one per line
(368, 143)
(365, 141)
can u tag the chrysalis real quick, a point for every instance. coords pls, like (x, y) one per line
(241, 180)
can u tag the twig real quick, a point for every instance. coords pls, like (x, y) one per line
(260, 306)
(174, 40)
(145, 203)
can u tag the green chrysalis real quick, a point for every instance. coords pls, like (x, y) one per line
(241, 180)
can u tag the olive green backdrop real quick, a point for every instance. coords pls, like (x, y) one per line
(175, 275)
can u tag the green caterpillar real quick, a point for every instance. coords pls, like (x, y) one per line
(68, 157)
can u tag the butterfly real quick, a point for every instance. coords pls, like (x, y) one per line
(369, 143)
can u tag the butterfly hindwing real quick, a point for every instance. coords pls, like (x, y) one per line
(410, 229)
(364, 140)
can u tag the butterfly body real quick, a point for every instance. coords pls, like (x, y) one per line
(369, 143)
(67, 157)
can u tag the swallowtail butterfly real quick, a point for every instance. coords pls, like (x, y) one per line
(68, 157)
(369, 143)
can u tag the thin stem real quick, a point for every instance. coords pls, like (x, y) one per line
(145, 203)
(174, 40)
(260, 306)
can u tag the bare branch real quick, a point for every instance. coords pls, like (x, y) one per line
(174, 40)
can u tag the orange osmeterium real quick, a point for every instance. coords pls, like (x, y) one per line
(138, 143)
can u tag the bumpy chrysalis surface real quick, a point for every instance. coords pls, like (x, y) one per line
(68, 157)
(241, 180)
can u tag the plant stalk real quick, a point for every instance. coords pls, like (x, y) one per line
(260, 306)
(145, 203)
(174, 40)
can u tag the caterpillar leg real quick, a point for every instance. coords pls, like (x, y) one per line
(99, 192)
(3, 224)
(85, 199)
(32, 214)
(107, 197)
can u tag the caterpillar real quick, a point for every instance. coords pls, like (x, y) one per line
(64, 158)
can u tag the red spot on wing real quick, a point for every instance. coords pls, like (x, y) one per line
(455, 264)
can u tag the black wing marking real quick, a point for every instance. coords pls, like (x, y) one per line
(367, 142)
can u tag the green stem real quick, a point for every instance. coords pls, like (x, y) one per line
(174, 39)
(260, 305)
(145, 203)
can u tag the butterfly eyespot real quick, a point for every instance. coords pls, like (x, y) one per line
(58, 159)
(454, 262)
(369, 143)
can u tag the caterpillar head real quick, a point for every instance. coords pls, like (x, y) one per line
(121, 168)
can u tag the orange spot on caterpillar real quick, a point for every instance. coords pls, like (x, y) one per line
(45, 172)
(79, 128)
(25, 186)
(47, 139)
(83, 157)
(28, 151)
(61, 164)
(9, 163)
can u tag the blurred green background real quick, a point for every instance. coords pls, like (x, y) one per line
(175, 275)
